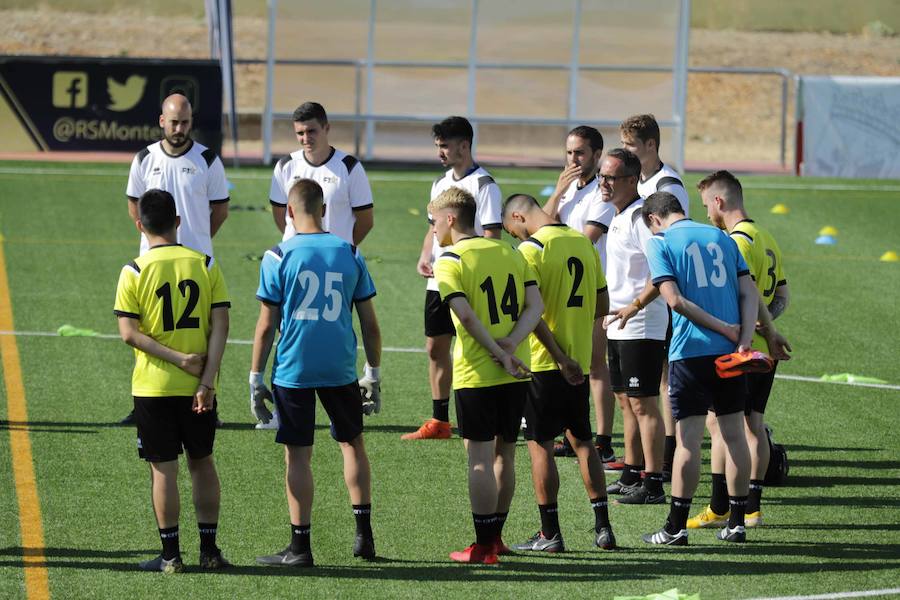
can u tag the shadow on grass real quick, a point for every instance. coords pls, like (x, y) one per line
(628, 564)
(95, 427)
(56, 426)
(827, 481)
(855, 502)
(818, 449)
(837, 526)
(817, 463)
(19, 551)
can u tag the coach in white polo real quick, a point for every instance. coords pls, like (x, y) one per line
(636, 330)
(349, 212)
(188, 170)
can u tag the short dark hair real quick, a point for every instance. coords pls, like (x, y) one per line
(643, 127)
(453, 128)
(629, 159)
(734, 192)
(518, 202)
(157, 211)
(307, 196)
(661, 204)
(309, 111)
(586, 132)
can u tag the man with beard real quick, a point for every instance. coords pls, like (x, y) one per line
(577, 203)
(191, 172)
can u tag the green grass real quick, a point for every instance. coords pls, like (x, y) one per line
(833, 528)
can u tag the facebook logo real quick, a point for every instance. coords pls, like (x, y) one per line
(70, 89)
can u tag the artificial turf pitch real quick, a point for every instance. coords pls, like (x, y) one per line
(66, 234)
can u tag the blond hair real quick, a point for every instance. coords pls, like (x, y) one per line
(642, 127)
(460, 202)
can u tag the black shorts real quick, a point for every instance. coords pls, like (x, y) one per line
(695, 389)
(485, 413)
(297, 413)
(166, 426)
(635, 366)
(554, 405)
(437, 315)
(759, 386)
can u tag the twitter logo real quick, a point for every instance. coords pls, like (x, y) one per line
(125, 96)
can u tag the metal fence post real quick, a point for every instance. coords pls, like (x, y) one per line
(357, 99)
(784, 101)
(270, 76)
(473, 70)
(680, 73)
(574, 65)
(370, 82)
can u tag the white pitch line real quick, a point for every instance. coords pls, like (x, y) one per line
(837, 595)
(238, 175)
(883, 386)
(108, 336)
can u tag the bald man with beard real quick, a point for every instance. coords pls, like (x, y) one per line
(191, 172)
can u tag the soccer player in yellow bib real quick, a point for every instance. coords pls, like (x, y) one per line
(495, 303)
(722, 195)
(569, 275)
(172, 307)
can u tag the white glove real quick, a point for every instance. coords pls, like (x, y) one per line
(258, 395)
(370, 388)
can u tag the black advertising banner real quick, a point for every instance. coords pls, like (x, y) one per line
(102, 104)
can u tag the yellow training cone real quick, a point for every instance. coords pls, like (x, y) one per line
(889, 256)
(828, 230)
(780, 209)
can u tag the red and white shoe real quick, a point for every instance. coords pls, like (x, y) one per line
(432, 429)
(476, 554)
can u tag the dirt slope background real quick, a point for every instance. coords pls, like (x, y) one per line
(729, 117)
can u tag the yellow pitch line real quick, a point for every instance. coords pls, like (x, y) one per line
(37, 585)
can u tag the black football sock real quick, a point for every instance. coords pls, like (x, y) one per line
(501, 521)
(755, 497)
(485, 528)
(549, 519)
(678, 515)
(601, 512)
(208, 536)
(653, 482)
(631, 474)
(299, 539)
(669, 453)
(604, 442)
(440, 409)
(363, 515)
(170, 546)
(737, 505)
(718, 501)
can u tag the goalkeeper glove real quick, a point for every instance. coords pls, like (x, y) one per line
(370, 388)
(258, 395)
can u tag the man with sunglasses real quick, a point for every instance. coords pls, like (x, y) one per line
(636, 328)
